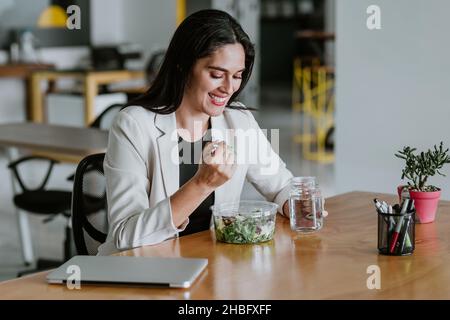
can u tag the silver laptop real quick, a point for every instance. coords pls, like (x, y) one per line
(148, 271)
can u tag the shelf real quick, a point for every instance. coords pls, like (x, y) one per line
(314, 35)
(297, 17)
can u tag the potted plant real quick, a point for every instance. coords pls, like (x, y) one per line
(418, 168)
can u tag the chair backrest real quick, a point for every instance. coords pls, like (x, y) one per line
(28, 159)
(89, 207)
(105, 119)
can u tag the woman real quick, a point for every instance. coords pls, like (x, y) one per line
(157, 188)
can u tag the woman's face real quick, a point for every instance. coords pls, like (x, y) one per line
(214, 79)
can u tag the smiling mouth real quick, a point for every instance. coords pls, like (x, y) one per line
(216, 100)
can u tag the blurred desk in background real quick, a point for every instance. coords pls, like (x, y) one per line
(91, 79)
(23, 71)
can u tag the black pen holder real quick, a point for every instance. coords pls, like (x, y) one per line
(396, 233)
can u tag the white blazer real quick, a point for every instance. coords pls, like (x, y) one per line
(142, 172)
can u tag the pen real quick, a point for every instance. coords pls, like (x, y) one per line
(404, 240)
(381, 209)
(396, 208)
(411, 205)
(411, 208)
(391, 219)
(385, 206)
(405, 237)
(378, 205)
(398, 226)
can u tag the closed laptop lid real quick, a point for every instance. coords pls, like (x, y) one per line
(167, 272)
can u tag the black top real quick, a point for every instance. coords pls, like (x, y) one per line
(190, 153)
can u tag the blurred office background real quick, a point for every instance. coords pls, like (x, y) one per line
(344, 98)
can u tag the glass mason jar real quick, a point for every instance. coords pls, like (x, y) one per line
(305, 205)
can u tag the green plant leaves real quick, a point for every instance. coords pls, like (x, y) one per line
(418, 167)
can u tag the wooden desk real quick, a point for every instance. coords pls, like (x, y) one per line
(331, 264)
(70, 143)
(23, 71)
(91, 80)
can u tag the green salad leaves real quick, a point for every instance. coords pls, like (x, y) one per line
(252, 228)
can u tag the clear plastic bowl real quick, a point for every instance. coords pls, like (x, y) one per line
(244, 221)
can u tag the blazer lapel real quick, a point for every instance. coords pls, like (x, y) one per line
(168, 152)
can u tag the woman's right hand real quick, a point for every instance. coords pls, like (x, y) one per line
(216, 166)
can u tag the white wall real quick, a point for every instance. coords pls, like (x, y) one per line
(150, 23)
(107, 21)
(393, 89)
(330, 26)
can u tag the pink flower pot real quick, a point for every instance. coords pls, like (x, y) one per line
(426, 204)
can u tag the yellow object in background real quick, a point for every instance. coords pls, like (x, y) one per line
(181, 11)
(313, 109)
(53, 17)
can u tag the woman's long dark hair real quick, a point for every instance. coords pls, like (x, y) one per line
(198, 36)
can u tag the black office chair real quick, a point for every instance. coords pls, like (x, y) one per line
(105, 119)
(89, 207)
(89, 203)
(42, 201)
(53, 202)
